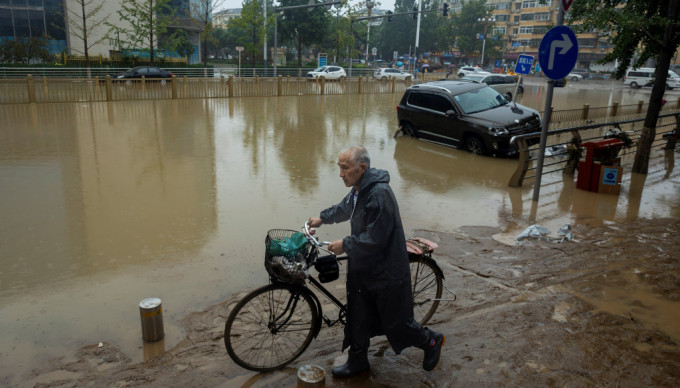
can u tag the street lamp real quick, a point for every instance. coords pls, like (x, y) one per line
(485, 21)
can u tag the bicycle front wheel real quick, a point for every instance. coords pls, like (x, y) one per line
(270, 327)
(427, 285)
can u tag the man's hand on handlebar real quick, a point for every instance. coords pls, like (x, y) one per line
(336, 247)
(314, 222)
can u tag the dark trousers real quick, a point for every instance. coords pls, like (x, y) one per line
(375, 309)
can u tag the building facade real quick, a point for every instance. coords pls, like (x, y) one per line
(34, 18)
(21, 19)
(521, 24)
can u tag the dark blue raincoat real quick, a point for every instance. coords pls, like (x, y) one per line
(378, 276)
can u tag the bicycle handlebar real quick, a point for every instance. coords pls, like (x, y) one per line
(313, 239)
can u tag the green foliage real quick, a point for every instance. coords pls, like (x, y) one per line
(25, 51)
(251, 24)
(180, 43)
(303, 26)
(639, 30)
(635, 28)
(466, 27)
(148, 20)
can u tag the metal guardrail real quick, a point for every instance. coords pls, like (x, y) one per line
(47, 90)
(200, 72)
(98, 72)
(560, 157)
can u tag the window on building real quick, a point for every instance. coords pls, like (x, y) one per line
(543, 16)
(528, 4)
(540, 29)
(21, 23)
(526, 29)
(527, 16)
(502, 18)
(582, 43)
(6, 29)
(37, 23)
(503, 6)
(499, 31)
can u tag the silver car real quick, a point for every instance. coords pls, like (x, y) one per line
(504, 84)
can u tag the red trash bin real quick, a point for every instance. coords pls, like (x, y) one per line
(598, 153)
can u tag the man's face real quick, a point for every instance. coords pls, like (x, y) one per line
(350, 172)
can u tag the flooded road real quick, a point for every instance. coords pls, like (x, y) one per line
(103, 205)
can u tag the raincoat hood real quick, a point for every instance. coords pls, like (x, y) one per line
(373, 176)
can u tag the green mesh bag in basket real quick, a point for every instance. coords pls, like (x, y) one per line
(285, 255)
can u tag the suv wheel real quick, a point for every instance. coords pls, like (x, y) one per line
(474, 145)
(633, 85)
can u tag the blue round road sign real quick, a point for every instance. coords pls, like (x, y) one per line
(558, 52)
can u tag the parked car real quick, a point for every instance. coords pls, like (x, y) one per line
(465, 114)
(387, 73)
(644, 76)
(584, 73)
(144, 71)
(574, 77)
(467, 70)
(504, 84)
(328, 72)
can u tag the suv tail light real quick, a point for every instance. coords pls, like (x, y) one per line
(397, 108)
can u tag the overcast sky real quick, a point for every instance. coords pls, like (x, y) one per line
(384, 4)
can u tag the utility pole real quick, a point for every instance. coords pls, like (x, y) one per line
(264, 4)
(415, 52)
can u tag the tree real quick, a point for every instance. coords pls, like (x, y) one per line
(637, 28)
(466, 27)
(148, 20)
(83, 23)
(201, 13)
(219, 42)
(252, 22)
(338, 37)
(25, 50)
(180, 43)
(302, 26)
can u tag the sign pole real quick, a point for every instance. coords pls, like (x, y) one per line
(547, 111)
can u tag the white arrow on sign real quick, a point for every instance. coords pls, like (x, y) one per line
(523, 68)
(565, 44)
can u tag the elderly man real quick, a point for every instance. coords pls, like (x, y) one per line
(379, 299)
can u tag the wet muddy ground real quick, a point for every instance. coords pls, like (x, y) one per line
(537, 314)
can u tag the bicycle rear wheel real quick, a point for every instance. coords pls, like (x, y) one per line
(427, 285)
(270, 327)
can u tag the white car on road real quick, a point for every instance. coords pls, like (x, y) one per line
(469, 70)
(328, 72)
(574, 77)
(387, 73)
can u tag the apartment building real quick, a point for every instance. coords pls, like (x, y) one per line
(521, 24)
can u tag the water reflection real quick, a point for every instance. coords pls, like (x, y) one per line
(84, 195)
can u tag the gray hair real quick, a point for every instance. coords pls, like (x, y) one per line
(359, 155)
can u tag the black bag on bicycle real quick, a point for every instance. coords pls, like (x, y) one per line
(328, 268)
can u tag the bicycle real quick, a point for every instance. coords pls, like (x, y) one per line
(274, 324)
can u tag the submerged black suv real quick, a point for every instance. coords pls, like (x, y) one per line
(465, 114)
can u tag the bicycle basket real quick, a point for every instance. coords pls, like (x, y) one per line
(285, 252)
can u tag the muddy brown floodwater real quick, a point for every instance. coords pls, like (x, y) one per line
(103, 205)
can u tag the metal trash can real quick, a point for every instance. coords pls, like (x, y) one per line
(151, 313)
(311, 376)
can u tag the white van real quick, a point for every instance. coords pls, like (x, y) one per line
(643, 76)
